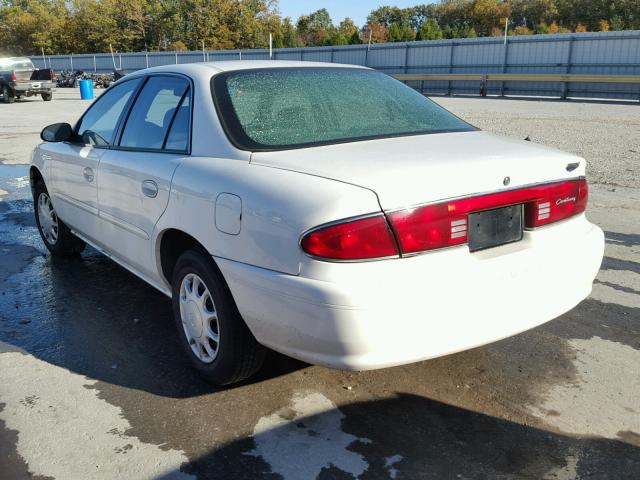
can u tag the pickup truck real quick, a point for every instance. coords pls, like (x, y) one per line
(20, 78)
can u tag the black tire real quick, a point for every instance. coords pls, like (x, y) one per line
(7, 97)
(47, 96)
(66, 243)
(239, 355)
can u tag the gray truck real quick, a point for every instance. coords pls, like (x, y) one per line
(20, 78)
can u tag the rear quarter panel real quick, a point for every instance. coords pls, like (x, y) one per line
(277, 206)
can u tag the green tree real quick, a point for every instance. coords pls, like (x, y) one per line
(616, 23)
(347, 28)
(290, 36)
(316, 28)
(429, 30)
(400, 33)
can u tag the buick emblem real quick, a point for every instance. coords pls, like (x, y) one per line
(506, 181)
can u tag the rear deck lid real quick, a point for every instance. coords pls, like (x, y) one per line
(407, 171)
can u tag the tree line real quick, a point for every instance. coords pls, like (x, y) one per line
(87, 26)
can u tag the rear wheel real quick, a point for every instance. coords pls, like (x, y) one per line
(214, 336)
(56, 235)
(47, 96)
(7, 97)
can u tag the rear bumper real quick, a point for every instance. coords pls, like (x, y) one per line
(28, 87)
(380, 314)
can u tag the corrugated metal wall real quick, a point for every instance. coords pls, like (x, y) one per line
(593, 53)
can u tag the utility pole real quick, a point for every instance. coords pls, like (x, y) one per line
(113, 59)
(270, 46)
(506, 28)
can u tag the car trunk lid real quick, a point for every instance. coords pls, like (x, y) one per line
(407, 171)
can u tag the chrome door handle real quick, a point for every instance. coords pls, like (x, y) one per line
(150, 188)
(88, 174)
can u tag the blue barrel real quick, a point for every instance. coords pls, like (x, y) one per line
(86, 89)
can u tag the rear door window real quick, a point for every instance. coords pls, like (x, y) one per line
(153, 113)
(178, 138)
(98, 126)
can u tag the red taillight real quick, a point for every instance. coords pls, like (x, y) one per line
(359, 239)
(13, 76)
(445, 224)
(54, 77)
(563, 200)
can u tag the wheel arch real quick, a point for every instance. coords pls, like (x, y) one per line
(35, 175)
(170, 244)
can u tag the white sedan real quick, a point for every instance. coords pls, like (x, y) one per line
(328, 212)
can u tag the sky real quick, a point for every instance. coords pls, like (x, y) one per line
(357, 10)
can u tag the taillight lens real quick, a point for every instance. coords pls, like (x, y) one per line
(359, 239)
(445, 224)
(563, 200)
(13, 76)
(440, 225)
(54, 77)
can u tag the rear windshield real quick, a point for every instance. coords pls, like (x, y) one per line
(282, 108)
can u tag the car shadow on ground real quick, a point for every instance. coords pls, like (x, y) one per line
(409, 436)
(92, 317)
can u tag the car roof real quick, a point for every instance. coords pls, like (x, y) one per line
(207, 68)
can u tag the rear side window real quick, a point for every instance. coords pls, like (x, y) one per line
(23, 65)
(178, 138)
(153, 113)
(98, 125)
(281, 108)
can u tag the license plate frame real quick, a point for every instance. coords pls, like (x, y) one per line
(496, 227)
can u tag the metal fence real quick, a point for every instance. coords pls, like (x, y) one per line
(610, 53)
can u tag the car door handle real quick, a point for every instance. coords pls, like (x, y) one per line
(150, 188)
(88, 174)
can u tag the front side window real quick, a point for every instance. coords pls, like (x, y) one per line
(280, 108)
(98, 125)
(153, 113)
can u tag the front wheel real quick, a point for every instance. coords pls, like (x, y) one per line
(56, 235)
(214, 336)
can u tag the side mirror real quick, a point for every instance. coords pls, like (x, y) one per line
(58, 132)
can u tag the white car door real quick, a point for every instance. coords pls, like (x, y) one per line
(73, 181)
(135, 174)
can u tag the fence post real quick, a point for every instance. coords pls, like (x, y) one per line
(95, 67)
(449, 84)
(406, 57)
(301, 54)
(565, 85)
(146, 59)
(331, 54)
(176, 58)
(366, 56)
(120, 60)
(504, 63)
(71, 60)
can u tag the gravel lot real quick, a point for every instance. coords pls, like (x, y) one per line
(607, 135)
(93, 384)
